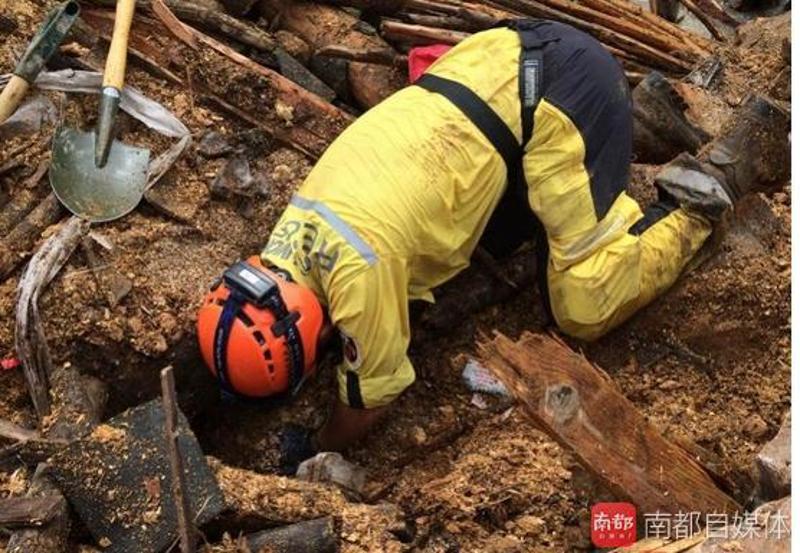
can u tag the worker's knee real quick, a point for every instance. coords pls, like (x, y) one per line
(591, 297)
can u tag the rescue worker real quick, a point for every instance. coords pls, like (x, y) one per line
(517, 133)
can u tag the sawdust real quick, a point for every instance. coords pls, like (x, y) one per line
(709, 355)
(107, 434)
(14, 483)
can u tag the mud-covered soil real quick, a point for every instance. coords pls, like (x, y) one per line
(709, 361)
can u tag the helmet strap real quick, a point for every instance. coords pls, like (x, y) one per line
(285, 325)
(221, 335)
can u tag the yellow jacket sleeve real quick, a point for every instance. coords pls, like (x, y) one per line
(371, 312)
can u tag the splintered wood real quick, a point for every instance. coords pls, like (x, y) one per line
(312, 122)
(31, 342)
(580, 407)
(29, 511)
(258, 500)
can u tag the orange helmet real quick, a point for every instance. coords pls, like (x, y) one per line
(258, 331)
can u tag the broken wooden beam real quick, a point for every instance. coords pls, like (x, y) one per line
(31, 342)
(381, 56)
(580, 407)
(210, 17)
(256, 501)
(420, 34)
(16, 432)
(52, 536)
(665, 59)
(22, 201)
(315, 122)
(186, 531)
(451, 22)
(318, 535)
(704, 18)
(78, 404)
(490, 283)
(320, 26)
(29, 510)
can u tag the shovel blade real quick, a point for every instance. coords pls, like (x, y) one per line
(97, 194)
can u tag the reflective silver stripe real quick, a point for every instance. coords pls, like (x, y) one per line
(338, 225)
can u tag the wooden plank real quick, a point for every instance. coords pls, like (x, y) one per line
(29, 511)
(658, 545)
(16, 432)
(52, 536)
(31, 342)
(317, 124)
(580, 407)
(319, 536)
(186, 531)
(642, 546)
(78, 405)
(683, 545)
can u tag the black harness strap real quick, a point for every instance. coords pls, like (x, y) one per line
(477, 111)
(513, 221)
(531, 71)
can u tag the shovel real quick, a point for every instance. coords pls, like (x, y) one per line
(41, 48)
(95, 177)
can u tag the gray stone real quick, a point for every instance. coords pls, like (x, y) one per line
(237, 179)
(773, 465)
(333, 468)
(213, 145)
(766, 530)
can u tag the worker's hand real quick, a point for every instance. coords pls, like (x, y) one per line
(296, 445)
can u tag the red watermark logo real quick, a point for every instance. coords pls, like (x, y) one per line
(613, 524)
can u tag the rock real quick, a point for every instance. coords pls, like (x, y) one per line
(8, 25)
(773, 465)
(135, 325)
(529, 525)
(29, 118)
(213, 145)
(285, 112)
(333, 468)
(167, 322)
(668, 385)
(236, 179)
(418, 436)
(767, 530)
(254, 143)
(755, 427)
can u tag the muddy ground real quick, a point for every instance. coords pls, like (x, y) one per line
(709, 361)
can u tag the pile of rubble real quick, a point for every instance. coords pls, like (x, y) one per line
(282, 79)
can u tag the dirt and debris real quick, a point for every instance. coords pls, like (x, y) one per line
(709, 361)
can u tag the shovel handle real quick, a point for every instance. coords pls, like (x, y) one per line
(114, 74)
(11, 96)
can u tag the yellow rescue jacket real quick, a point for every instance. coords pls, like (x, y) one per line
(398, 203)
